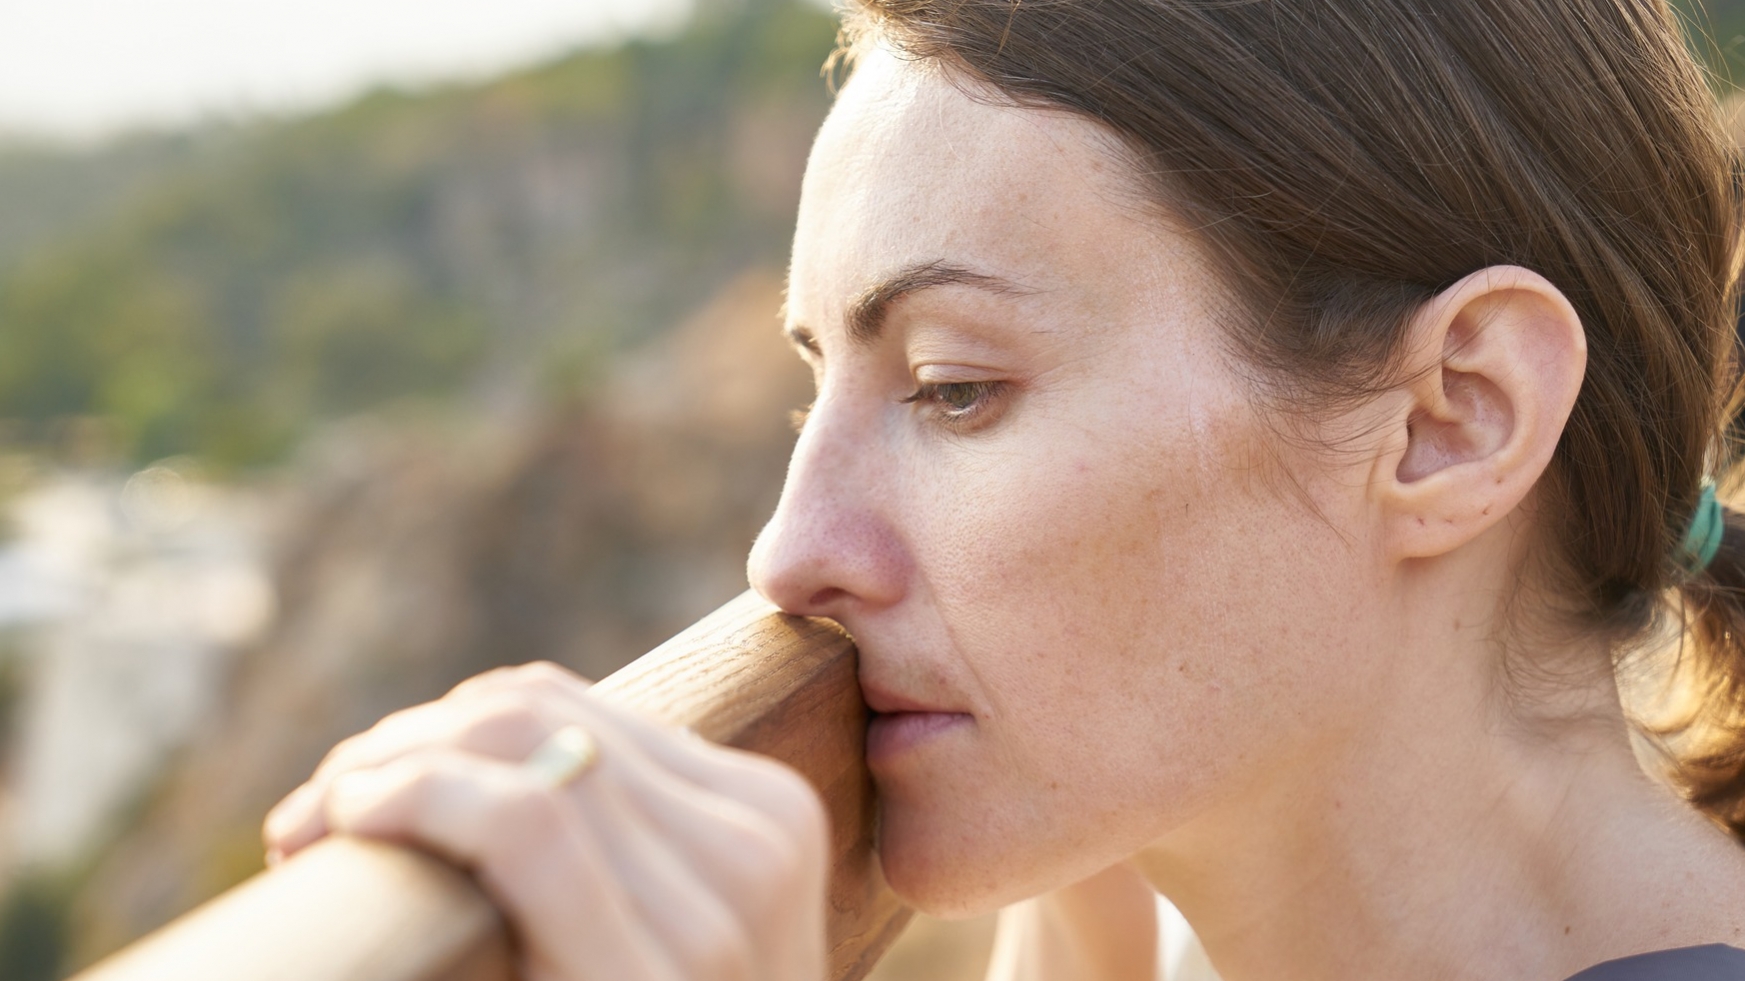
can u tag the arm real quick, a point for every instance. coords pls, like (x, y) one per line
(1101, 929)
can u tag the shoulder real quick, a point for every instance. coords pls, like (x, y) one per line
(1714, 962)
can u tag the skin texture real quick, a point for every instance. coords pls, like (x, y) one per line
(1115, 614)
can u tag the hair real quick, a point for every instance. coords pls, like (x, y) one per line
(1347, 160)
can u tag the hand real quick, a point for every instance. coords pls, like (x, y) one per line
(671, 860)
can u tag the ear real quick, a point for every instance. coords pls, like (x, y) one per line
(1494, 366)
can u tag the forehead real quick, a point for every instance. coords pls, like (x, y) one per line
(911, 168)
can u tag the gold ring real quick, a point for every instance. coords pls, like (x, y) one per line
(564, 756)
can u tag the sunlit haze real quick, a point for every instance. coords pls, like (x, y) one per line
(87, 68)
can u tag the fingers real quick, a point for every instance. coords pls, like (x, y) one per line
(772, 861)
(506, 713)
(631, 910)
(761, 782)
(503, 713)
(294, 823)
(730, 843)
(670, 858)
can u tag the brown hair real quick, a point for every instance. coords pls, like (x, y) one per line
(1346, 160)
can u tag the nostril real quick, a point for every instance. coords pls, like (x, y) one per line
(824, 599)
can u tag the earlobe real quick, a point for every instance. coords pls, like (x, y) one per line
(1495, 367)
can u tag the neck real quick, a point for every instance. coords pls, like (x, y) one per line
(1446, 839)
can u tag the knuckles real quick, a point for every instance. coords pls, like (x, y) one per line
(507, 723)
(504, 713)
(532, 676)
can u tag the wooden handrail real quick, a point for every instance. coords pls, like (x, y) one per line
(351, 910)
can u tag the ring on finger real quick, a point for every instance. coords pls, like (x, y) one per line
(564, 757)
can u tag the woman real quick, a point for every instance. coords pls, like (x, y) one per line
(1247, 436)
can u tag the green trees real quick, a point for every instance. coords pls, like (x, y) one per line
(482, 241)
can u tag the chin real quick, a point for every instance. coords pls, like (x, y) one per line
(950, 870)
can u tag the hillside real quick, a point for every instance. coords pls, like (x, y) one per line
(222, 293)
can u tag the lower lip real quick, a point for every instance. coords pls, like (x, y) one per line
(891, 734)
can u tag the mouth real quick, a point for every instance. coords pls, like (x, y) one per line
(901, 725)
(893, 735)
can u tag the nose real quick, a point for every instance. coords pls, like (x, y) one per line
(831, 549)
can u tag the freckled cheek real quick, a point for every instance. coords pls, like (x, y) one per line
(1087, 604)
(1078, 567)
(1082, 532)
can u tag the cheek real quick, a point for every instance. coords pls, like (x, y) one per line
(1118, 613)
(1090, 575)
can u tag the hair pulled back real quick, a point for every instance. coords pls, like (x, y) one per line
(1347, 160)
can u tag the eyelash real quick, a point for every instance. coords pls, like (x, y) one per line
(935, 395)
(938, 397)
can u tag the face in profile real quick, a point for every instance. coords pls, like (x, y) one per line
(1096, 593)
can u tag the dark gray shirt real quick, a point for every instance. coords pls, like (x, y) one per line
(1711, 963)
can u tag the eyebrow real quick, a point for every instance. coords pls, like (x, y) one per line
(867, 312)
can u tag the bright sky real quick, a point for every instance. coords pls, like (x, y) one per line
(85, 68)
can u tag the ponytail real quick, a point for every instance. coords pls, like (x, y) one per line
(1707, 732)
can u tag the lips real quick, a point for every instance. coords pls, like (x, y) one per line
(902, 724)
(887, 702)
(894, 736)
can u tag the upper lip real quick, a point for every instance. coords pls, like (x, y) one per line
(884, 701)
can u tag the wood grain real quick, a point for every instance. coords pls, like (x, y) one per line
(351, 910)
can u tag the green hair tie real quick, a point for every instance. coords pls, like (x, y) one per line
(1703, 538)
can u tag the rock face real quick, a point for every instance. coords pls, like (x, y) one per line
(410, 554)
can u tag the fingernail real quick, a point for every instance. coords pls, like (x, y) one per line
(291, 813)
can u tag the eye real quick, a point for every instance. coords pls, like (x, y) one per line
(959, 404)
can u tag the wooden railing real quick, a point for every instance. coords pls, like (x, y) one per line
(350, 910)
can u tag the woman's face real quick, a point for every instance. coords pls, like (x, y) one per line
(1096, 595)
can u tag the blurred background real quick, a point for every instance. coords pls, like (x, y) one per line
(349, 348)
